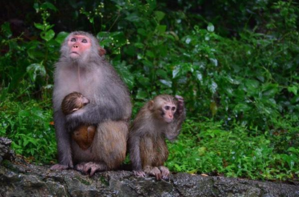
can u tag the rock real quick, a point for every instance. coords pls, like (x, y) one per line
(5, 151)
(19, 178)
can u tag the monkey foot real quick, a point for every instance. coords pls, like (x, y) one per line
(160, 172)
(165, 172)
(156, 172)
(91, 168)
(139, 173)
(59, 167)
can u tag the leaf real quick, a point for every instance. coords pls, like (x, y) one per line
(210, 27)
(166, 82)
(133, 18)
(161, 29)
(293, 89)
(48, 35)
(162, 73)
(175, 71)
(150, 54)
(48, 5)
(188, 40)
(5, 28)
(139, 45)
(270, 90)
(199, 76)
(252, 85)
(126, 75)
(141, 94)
(142, 32)
(213, 86)
(39, 26)
(61, 37)
(214, 61)
(159, 15)
(35, 69)
(241, 107)
(213, 108)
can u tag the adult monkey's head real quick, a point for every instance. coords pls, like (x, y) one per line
(81, 47)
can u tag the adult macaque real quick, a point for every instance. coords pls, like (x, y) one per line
(84, 134)
(160, 118)
(81, 69)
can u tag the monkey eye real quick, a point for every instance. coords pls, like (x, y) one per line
(73, 40)
(173, 108)
(167, 107)
(84, 40)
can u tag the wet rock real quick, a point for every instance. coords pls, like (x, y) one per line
(5, 151)
(19, 178)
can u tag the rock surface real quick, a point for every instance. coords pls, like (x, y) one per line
(18, 178)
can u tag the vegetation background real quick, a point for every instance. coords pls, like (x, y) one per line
(234, 62)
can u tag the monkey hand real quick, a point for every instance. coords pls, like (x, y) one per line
(181, 104)
(73, 121)
(139, 173)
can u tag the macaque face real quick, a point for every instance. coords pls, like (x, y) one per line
(78, 45)
(168, 110)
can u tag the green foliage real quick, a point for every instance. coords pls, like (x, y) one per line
(206, 147)
(234, 62)
(29, 125)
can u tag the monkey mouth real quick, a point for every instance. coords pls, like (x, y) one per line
(74, 54)
(168, 120)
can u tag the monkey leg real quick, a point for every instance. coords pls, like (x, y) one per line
(110, 143)
(139, 173)
(107, 151)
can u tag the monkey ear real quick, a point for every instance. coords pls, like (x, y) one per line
(101, 51)
(151, 105)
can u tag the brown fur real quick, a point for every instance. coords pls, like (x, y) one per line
(84, 134)
(148, 149)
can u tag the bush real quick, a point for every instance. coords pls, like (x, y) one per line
(30, 126)
(207, 148)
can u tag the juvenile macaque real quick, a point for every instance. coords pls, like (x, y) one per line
(84, 134)
(82, 68)
(160, 118)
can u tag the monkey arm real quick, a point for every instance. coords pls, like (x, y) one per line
(173, 130)
(135, 156)
(93, 114)
(180, 114)
(63, 140)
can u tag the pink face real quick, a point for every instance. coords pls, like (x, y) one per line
(78, 44)
(169, 109)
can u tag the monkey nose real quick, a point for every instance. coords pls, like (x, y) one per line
(75, 46)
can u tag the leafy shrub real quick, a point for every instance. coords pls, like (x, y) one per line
(30, 127)
(206, 147)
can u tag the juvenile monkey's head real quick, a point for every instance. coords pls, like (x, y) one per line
(73, 102)
(163, 108)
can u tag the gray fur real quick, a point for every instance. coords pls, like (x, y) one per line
(97, 80)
